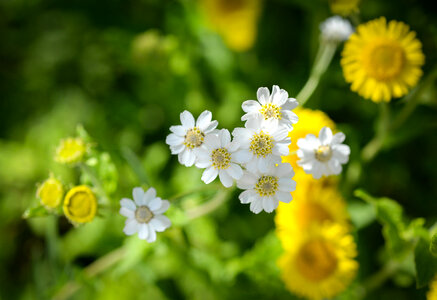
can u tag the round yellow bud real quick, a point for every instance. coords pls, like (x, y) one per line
(70, 150)
(50, 193)
(80, 204)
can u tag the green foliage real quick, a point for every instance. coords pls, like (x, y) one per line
(426, 263)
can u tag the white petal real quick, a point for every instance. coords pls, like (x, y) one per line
(128, 203)
(286, 184)
(242, 136)
(289, 115)
(128, 213)
(290, 104)
(334, 166)
(281, 149)
(256, 206)
(226, 180)
(247, 181)
(143, 231)
(149, 195)
(187, 119)
(325, 136)
(338, 138)
(247, 196)
(155, 203)
(345, 150)
(310, 143)
(263, 95)
(160, 223)
(284, 196)
(242, 156)
(284, 170)
(165, 204)
(264, 163)
(254, 123)
(177, 149)
(209, 175)
(269, 204)
(281, 133)
(211, 126)
(225, 137)
(138, 194)
(178, 130)
(188, 157)
(203, 120)
(131, 226)
(280, 97)
(250, 106)
(152, 235)
(212, 141)
(173, 140)
(234, 171)
(202, 164)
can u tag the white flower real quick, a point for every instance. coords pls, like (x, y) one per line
(145, 214)
(220, 157)
(188, 137)
(336, 29)
(264, 190)
(275, 108)
(264, 145)
(323, 155)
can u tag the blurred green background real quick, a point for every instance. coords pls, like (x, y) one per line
(125, 70)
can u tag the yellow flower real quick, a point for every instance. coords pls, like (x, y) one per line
(70, 150)
(432, 293)
(50, 192)
(310, 121)
(234, 20)
(343, 7)
(321, 264)
(80, 204)
(382, 60)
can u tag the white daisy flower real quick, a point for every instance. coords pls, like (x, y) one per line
(275, 108)
(186, 139)
(336, 29)
(323, 155)
(264, 190)
(264, 145)
(145, 214)
(220, 157)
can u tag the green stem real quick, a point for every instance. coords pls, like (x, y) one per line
(373, 147)
(379, 278)
(194, 191)
(323, 59)
(135, 163)
(95, 181)
(209, 206)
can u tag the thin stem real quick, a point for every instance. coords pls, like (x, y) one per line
(135, 163)
(95, 181)
(379, 278)
(94, 269)
(194, 191)
(323, 59)
(373, 147)
(209, 206)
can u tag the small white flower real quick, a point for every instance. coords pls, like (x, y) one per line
(220, 157)
(323, 155)
(188, 137)
(264, 190)
(336, 29)
(145, 214)
(264, 145)
(275, 108)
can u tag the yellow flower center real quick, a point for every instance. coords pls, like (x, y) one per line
(50, 193)
(143, 214)
(316, 260)
(384, 60)
(311, 212)
(70, 150)
(271, 111)
(323, 153)
(80, 204)
(194, 138)
(267, 185)
(261, 144)
(221, 158)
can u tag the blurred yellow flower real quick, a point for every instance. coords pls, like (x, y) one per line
(70, 150)
(321, 264)
(343, 7)
(234, 20)
(316, 202)
(432, 293)
(80, 204)
(50, 192)
(310, 121)
(382, 60)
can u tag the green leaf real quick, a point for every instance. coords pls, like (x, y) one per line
(36, 211)
(426, 263)
(389, 214)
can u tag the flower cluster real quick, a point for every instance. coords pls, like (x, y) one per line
(252, 158)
